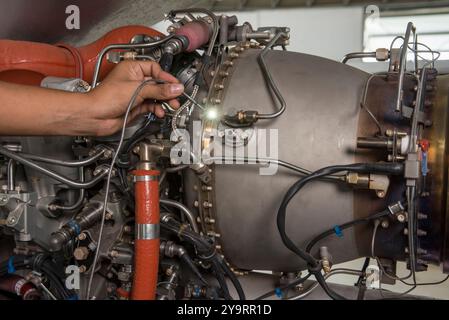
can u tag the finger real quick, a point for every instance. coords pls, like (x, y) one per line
(147, 107)
(153, 70)
(166, 92)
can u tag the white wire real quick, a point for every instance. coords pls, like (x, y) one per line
(108, 181)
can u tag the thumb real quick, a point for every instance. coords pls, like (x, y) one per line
(166, 91)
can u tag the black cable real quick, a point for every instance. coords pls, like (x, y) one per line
(361, 283)
(234, 280)
(344, 226)
(283, 288)
(313, 264)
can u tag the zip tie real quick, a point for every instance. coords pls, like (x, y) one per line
(11, 268)
(338, 231)
(278, 292)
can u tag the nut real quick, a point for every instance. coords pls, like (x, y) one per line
(81, 253)
(382, 54)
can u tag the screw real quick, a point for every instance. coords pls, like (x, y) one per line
(401, 217)
(12, 220)
(82, 236)
(381, 194)
(114, 253)
(385, 224)
(109, 216)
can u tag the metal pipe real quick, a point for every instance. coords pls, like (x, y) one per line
(358, 55)
(186, 211)
(269, 79)
(52, 174)
(11, 174)
(402, 64)
(78, 203)
(123, 47)
(65, 163)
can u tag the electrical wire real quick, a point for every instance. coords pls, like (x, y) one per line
(109, 177)
(314, 265)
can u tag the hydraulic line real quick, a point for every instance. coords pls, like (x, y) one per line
(65, 163)
(269, 78)
(313, 264)
(186, 211)
(123, 47)
(52, 174)
(358, 55)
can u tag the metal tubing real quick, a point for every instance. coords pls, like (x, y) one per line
(269, 78)
(122, 47)
(52, 174)
(65, 163)
(11, 174)
(189, 215)
(402, 64)
(357, 55)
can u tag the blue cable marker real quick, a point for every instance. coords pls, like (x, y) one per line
(278, 292)
(338, 231)
(424, 168)
(11, 268)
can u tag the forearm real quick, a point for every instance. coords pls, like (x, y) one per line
(27, 110)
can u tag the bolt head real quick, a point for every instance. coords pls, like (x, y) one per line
(82, 236)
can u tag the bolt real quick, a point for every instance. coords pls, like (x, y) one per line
(421, 216)
(380, 194)
(229, 63)
(207, 188)
(209, 220)
(196, 203)
(82, 236)
(224, 74)
(219, 86)
(82, 269)
(385, 224)
(389, 133)
(109, 216)
(114, 253)
(136, 149)
(207, 204)
(401, 217)
(12, 220)
(421, 233)
(81, 253)
(234, 55)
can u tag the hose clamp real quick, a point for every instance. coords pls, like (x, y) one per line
(147, 231)
(145, 178)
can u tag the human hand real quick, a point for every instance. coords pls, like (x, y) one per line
(110, 99)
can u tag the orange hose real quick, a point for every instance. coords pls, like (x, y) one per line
(146, 245)
(27, 62)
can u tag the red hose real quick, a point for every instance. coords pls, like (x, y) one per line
(18, 285)
(146, 245)
(27, 62)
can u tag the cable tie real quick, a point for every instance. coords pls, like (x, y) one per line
(338, 231)
(278, 292)
(11, 268)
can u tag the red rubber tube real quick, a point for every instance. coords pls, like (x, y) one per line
(146, 245)
(27, 62)
(18, 285)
